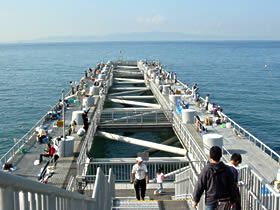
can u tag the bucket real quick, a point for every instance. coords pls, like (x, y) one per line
(59, 123)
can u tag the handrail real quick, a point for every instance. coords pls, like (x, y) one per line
(122, 168)
(12, 185)
(93, 126)
(256, 141)
(19, 144)
(21, 193)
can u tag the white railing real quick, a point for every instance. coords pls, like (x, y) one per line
(256, 193)
(155, 117)
(184, 186)
(27, 137)
(92, 128)
(20, 193)
(274, 155)
(194, 151)
(122, 168)
(258, 143)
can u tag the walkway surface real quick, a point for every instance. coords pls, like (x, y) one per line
(66, 166)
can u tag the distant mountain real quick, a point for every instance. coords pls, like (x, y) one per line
(137, 36)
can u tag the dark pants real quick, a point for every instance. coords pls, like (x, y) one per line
(140, 185)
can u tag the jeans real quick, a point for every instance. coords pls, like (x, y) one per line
(212, 206)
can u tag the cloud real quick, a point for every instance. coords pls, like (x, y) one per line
(152, 20)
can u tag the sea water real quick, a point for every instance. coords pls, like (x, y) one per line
(241, 76)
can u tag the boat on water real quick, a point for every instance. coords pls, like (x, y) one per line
(132, 96)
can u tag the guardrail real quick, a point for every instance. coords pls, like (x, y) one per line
(90, 134)
(255, 192)
(258, 143)
(184, 186)
(23, 140)
(82, 158)
(195, 152)
(122, 168)
(155, 117)
(20, 193)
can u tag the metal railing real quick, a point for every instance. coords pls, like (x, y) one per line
(195, 152)
(82, 158)
(92, 128)
(258, 143)
(122, 168)
(155, 117)
(27, 137)
(255, 192)
(184, 186)
(20, 193)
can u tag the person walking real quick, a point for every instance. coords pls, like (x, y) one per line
(235, 160)
(139, 177)
(217, 181)
(159, 180)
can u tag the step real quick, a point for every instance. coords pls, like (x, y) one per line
(125, 203)
(120, 203)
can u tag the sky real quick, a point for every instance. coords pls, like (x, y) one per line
(221, 19)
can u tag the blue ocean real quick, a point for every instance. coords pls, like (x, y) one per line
(241, 76)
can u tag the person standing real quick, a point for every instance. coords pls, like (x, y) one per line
(217, 181)
(139, 177)
(235, 160)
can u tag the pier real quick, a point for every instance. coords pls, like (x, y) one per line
(140, 98)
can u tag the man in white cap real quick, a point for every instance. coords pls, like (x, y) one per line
(139, 177)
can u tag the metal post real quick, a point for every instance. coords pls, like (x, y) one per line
(6, 198)
(63, 118)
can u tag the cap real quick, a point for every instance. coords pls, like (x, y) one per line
(139, 159)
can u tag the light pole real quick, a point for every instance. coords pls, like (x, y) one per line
(63, 118)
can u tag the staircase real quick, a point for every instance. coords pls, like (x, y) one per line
(126, 203)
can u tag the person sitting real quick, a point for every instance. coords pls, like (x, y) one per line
(49, 152)
(8, 167)
(199, 126)
(208, 121)
(41, 135)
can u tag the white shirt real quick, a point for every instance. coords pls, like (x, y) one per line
(140, 171)
(160, 177)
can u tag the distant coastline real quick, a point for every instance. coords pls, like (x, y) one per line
(137, 37)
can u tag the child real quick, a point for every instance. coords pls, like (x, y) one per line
(159, 179)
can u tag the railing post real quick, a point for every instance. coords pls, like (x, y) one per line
(24, 200)
(51, 201)
(38, 200)
(7, 198)
(32, 200)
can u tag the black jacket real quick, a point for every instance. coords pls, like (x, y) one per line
(218, 183)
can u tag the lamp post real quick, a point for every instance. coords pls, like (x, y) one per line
(63, 118)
